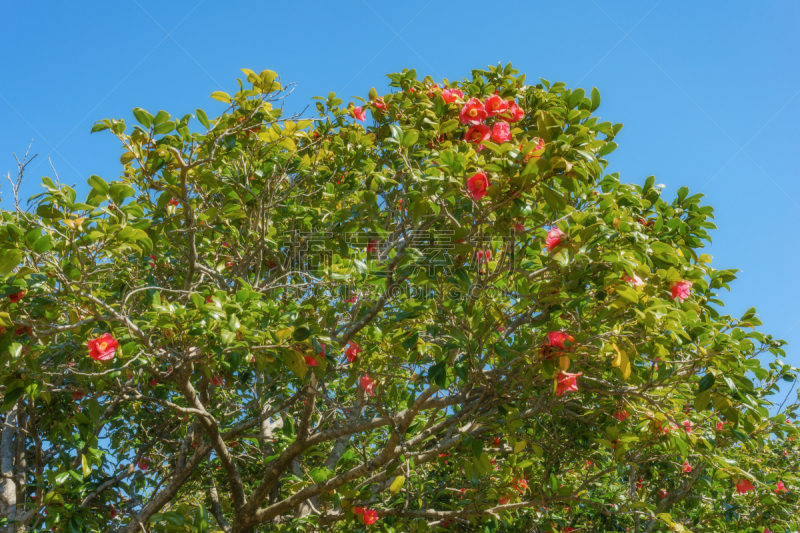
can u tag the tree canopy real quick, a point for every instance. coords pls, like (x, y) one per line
(431, 310)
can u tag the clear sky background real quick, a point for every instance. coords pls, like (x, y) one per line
(709, 92)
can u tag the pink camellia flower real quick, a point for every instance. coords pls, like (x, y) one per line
(687, 425)
(476, 134)
(103, 348)
(720, 426)
(686, 467)
(767, 530)
(17, 296)
(473, 112)
(680, 290)
(495, 105)
(370, 517)
(780, 487)
(372, 246)
(558, 338)
(477, 185)
(744, 486)
(310, 360)
(451, 95)
(368, 385)
(359, 114)
(352, 352)
(554, 238)
(514, 113)
(501, 329)
(522, 484)
(483, 257)
(622, 415)
(504, 499)
(353, 299)
(379, 104)
(567, 382)
(501, 132)
(636, 281)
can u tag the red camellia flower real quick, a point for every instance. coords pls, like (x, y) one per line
(662, 493)
(218, 380)
(687, 425)
(686, 467)
(519, 226)
(501, 132)
(780, 487)
(680, 290)
(78, 395)
(522, 484)
(16, 296)
(370, 517)
(352, 352)
(144, 463)
(496, 441)
(504, 499)
(359, 114)
(514, 113)
(495, 105)
(477, 185)
(567, 382)
(358, 510)
(476, 134)
(372, 246)
(451, 95)
(174, 202)
(622, 415)
(310, 361)
(473, 112)
(720, 425)
(368, 385)
(152, 261)
(379, 104)
(103, 348)
(558, 338)
(744, 486)
(353, 299)
(554, 238)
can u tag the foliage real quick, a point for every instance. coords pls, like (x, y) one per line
(433, 323)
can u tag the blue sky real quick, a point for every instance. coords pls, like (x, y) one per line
(708, 91)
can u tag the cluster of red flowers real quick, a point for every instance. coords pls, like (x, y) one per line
(368, 516)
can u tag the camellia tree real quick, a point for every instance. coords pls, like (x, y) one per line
(448, 317)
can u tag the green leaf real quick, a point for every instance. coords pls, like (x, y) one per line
(595, 99)
(201, 520)
(99, 184)
(221, 96)
(43, 244)
(706, 382)
(203, 118)
(397, 485)
(144, 118)
(9, 260)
